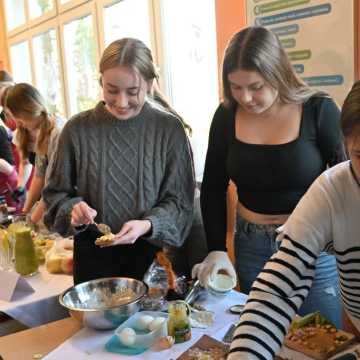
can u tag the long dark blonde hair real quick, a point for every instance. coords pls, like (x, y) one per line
(258, 49)
(135, 55)
(25, 102)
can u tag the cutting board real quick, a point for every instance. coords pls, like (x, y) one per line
(205, 343)
(322, 344)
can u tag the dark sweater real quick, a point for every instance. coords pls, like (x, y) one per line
(5, 146)
(139, 168)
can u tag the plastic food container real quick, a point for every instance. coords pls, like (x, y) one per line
(221, 284)
(144, 338)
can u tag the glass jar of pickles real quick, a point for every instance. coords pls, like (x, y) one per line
(179, 321)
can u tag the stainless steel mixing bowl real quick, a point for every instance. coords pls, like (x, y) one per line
(105, 303)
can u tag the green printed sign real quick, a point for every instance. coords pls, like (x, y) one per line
(312, 32)
(288, 43)
(278, 5)
(299, 55)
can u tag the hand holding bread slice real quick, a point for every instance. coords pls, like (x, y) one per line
(104, 240)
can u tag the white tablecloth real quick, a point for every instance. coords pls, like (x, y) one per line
(41, 306)
(89, 344)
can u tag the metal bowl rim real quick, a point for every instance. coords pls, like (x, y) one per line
(134, 301)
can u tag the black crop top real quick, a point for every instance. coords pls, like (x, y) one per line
(270, 179)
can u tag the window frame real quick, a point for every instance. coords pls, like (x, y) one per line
(41, 29)
(17, 40)
(42, 18)
(75, 14)
(69, 5)
(101, 4)
(19, 29)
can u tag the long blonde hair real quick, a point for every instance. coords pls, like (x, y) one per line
(258, 49)
(25, 102)
(135, 55)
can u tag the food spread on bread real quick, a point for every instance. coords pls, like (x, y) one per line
(105, 239)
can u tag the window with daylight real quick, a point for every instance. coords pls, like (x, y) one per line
(190, 66)
(56, 46)
(81, 68)
(127, 18)
(15, 13)
(40, 7)
(47, 70)
(20, 62)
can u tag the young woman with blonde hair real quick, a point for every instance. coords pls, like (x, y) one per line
(37, 132)
(125, 163)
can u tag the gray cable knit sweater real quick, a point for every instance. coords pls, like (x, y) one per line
(139, 168)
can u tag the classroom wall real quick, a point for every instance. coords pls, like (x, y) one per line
(230, 18)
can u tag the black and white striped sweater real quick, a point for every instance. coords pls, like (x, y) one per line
(327, 218)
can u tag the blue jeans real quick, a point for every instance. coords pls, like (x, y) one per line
(255, 244)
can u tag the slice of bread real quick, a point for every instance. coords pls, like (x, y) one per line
(105, 239)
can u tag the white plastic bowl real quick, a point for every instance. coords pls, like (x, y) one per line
(221, 284)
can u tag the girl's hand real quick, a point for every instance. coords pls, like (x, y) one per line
(82, 214)
(131, 231)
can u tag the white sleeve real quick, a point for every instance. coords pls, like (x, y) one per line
(15, 140)
(284, 283)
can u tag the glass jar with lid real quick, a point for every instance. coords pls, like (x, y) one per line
(179, 321)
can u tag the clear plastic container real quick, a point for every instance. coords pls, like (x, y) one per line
(6, 251)
(179, 321)
(144, 338)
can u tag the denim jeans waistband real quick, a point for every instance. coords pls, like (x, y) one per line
(247, 226)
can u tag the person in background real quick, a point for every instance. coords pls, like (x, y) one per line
(37, 131)
(24, 167)
(272, 136)
(8, 171)
(326, 218)
(5, 81)
(126, 163)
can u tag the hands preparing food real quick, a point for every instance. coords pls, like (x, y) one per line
(128, 234)
(83, 214)
(212, 264)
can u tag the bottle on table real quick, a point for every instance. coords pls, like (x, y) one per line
(179, 321)
(4, 214)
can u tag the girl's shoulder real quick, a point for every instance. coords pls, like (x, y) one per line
(77, 121)
(161, 117)
(320, 101)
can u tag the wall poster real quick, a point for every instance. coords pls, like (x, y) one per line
(318, 36)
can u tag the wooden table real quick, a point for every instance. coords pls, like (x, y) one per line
(40, 340)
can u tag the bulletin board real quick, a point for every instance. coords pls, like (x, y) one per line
(319, 37)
